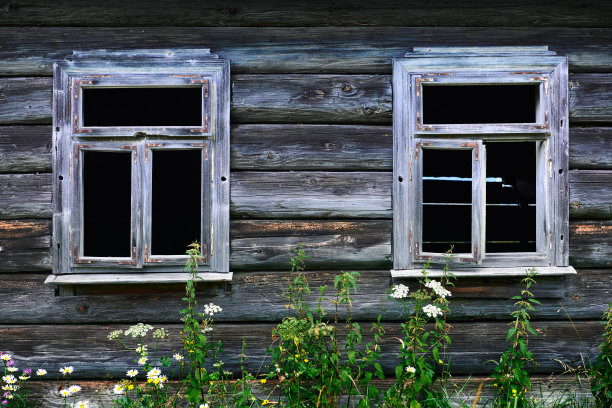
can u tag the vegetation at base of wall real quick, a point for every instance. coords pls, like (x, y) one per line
(318, 360)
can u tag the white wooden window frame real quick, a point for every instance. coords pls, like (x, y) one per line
(139, 68)
(549, 131)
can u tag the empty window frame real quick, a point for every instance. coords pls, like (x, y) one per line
(141, 164)
(511, 211)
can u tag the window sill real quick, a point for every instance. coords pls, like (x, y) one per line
(134, 278)
(486, 272)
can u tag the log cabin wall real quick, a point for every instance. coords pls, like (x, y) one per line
(311, 164)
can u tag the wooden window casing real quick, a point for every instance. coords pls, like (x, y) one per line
(205, 136)
(532, 71)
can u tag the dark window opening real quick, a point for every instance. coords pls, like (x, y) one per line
(447, 200)
(176, 200)
(157, 106)
(511, 197)
(470, 104)
(107, 204)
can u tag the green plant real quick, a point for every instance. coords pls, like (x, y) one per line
(512, 380)
(421, 352)
(308, 359)
(601, 373)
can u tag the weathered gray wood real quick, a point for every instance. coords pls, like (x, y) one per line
(32, 50)
(25, 244)
(302, 195)
(590, 242)
(595, 88)
(288, 98)
(584, 296)
(25, 196)
(92, 355)
(27, 149)
(314, 13)
(590, 148)
(591, 193)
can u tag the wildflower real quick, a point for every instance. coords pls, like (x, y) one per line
(142, 350)
(115, 334)
(211, 309)
(5, 357)
(305, 360)
(178, 357)
(132, 373)
(82, 404)
(142, 360)
(65, 393)
(138, 330)
(41, 371)
(130, 387)
(265, 402)
(9, 379)
(206, 329)
(205, 405)
(154, 372)
(399, 291)
(119, 389)
(23, 377)
(160, 333)
(66, 370)
(440, 361)
(12, 369)
(9, 396)
(432, 311)
(74, 389)
(438, 288)
(27, 371)
(163, 379)
(410, 369)
(263, 381)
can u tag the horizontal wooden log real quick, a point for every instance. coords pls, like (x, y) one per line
(590, 241)
(581, 297)
(589, 148)
(32, 50)
(245, 13)
(461, 390)
(292, 98)
(87, 349)
(27, 149)
(591, 194)
(25, 196)
(25, 244)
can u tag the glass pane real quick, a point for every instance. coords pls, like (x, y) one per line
(107, 203)
(511, 197)
(468, 104)
(176, 192)
(447, 200)
(142, 106)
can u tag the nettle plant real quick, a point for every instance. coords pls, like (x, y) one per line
(601, 373)
(512, 380)
(425, 338)
(314, 360)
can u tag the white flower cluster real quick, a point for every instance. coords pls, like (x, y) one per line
(9, 379)
(432, 311)
(4, 356)
(139, 330)
(82, 404)
(438, 288)
(154, 376)
(160, 333)
(211, 309)
(67, 392)
(115, 334)
(399, 291)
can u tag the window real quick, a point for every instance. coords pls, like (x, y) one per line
(480, 161)
(141, 166)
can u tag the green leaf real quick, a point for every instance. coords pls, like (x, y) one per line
(511, 333)
(415, 404)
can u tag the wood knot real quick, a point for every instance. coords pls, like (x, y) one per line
(368, 110)
(576, 297)
(574, 204)
(347, 88)
(82, 309)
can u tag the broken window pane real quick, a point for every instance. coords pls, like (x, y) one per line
(511, 197)
(155, 106)
(107, 203)
(447, 200)
(470, 104)
(176, 219)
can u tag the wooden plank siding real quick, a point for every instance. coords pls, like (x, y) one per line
(245, 13)
(287, 147)
(311, 164)
(31, 51)
(292, 98)
(91, 353)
